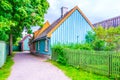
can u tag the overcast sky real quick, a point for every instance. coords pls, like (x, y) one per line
(95, 10)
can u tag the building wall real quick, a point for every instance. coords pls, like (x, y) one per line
(26, 44)
(3, 53)
(40, 47)
(32, 48)
(36, 46)
(72, 30)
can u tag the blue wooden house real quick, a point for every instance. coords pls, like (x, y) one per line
(71, 27)
(24, 43)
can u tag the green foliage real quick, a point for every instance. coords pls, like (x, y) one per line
(85, 46)
(111, 36)
(104, 39)
(60, 54)
(17, 41)
(90, 37)
(79, 46)
(17, 14)
(101, 32)
(94, 41)
(4, 29)
(3, 33)
(98, 44)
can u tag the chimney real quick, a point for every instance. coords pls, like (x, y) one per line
(64, 10)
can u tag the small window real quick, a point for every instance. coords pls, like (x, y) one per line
(46, 45)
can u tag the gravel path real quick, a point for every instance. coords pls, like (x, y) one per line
(29, 67)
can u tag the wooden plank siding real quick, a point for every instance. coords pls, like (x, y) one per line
(72, 30)
(24, 43)
(113, 22)
(40, 47)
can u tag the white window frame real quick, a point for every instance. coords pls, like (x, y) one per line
(46, 45)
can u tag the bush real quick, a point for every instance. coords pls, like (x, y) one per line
(85, 46)
(59, 54)
(90, 37)
(98, 45)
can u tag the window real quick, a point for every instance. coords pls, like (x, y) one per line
(46, 45)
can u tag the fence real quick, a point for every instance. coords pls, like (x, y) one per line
(100, 62)
(16, 48)
(3, 53)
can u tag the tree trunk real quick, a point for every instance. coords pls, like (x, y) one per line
(10, 52)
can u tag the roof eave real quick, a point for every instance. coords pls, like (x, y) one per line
(44, 37)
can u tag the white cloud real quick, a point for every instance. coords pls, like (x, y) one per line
(95, 10)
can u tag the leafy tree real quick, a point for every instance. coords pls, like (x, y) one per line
(17, 14)
(3, 34)
(17, 41)
(101, 32)
(116, 38)
(111, 36)
(4, 23)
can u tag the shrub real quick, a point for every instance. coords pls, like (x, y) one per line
(98, 45)
(85, 46)
(59, 54)
(90, 37)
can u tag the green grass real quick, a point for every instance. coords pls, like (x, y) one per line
(6, 69)
(78, 74)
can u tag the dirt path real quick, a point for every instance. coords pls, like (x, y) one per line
(29, 67)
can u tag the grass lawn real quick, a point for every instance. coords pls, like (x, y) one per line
(77, 74)
(5, 70)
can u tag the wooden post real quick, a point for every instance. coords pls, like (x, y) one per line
(110, 65)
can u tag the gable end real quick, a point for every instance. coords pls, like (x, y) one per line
(66, 16)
